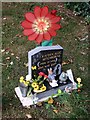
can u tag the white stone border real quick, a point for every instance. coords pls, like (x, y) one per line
(27, 101)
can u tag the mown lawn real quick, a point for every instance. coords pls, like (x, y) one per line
(73, 37)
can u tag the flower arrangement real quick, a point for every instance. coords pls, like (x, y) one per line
(41, 25)
(37, 84)
(25, 82)
(37, 87)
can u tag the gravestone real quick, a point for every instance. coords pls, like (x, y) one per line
(43, 58)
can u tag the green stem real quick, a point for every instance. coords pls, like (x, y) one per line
(45, 43)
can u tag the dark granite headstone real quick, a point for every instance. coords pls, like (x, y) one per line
(43, 58)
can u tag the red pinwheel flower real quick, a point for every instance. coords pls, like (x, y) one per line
(41, 74)
(40, 25)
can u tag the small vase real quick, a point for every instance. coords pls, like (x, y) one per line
(24, 89)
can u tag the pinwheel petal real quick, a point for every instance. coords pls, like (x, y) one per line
(41, 25)
(44, 11)
(30, 17)
(39, 38)
(47, 36)
(53, 12)
(37, 11)
(50, 16)
(33, 36)
(55, 26)
(28, 32)
(55, 19)
(52, 32)
(26, 24)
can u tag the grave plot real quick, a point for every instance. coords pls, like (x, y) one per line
(45, 74)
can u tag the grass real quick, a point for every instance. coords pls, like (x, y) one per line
(75, 52)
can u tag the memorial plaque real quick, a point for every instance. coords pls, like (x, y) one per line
(43, 58)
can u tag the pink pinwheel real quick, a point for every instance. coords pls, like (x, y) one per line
(40, 25)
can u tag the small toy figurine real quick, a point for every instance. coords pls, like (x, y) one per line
(79, 85)
(68, 89)
(24, 85)
(51, 77)
(63, 77)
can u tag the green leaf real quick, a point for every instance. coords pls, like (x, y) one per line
(47, 106)
(59, 91)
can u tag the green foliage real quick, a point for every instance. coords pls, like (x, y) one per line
(80, 8)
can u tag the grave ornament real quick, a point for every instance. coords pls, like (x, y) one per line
(41, 25)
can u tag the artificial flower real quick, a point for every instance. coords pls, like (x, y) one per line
(45, 76)
(40, 25)
(34, 84)
(41, 74)
(26, 84)
(36, 87)
(21, 79)
(43, 88)
(79, 80)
